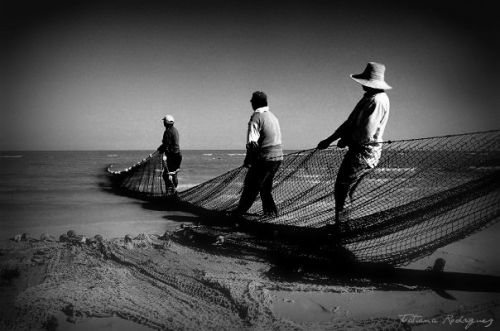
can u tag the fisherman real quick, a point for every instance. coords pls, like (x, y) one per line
(172, 153)
(263, 157)
(361, 133)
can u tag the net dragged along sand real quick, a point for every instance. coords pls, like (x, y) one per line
(154, 281)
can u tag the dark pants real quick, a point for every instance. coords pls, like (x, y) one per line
(173, 163)
(351, 172)
(259, 179)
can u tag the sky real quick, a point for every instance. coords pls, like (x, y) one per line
(100, 75)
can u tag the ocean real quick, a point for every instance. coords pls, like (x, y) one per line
(53, 192)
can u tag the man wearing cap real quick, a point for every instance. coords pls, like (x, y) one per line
(361, 133)
(263, 158)
(170, 146)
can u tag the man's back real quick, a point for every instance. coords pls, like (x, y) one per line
(269, 128)
(369, 118)
(171, 140)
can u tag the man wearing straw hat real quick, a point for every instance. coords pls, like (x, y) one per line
(170, 146)
(361, 133)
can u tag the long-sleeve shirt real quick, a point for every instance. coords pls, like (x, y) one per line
(170, 141)
(364, 128)
(264, 130)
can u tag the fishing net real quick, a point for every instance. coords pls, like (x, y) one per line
(424, 194)
(157, 283)
(143, 179)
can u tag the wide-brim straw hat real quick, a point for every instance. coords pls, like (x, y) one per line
(373, 76)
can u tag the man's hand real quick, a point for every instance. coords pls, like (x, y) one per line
(342, 143)
(252, 149)
(323, 144)
(253, 146)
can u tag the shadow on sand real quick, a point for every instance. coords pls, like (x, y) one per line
(313, 258)
(302, 255)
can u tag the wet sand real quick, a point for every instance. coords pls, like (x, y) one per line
(163, 282)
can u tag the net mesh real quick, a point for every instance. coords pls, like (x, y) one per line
(143, 179)
(172, 287)
(424, 194)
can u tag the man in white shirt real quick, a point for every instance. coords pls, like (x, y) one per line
(362, 133)
(263, 158)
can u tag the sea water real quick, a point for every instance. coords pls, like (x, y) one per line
(53, 192)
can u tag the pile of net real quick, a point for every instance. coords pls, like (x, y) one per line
(424, 194)
(157, 283)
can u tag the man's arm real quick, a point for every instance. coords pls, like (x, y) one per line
(252, 146)
(334, 136)
(161, 148)
(253, 132)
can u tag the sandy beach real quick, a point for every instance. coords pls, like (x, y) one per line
(80, 258)
(171, 282)
(385, 114)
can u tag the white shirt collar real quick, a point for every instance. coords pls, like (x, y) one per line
(262, 109)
